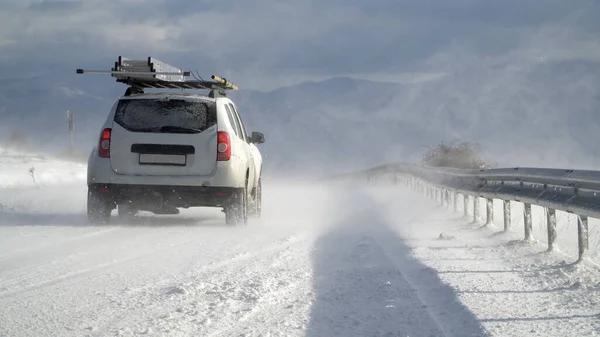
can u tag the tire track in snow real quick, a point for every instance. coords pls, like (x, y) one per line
(451, 317)
(40, 231)
(367, 283)
(28, 276)
(215, 265)
(39, 296)
(283, 302)
(104, 309)
(177, 303)
(54, 243)
(82, 272)
(23, 267)
(359, 291)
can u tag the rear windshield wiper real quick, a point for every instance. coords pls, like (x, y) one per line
(179, 129)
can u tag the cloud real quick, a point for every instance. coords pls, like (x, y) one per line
(69, 92)
(57, 5)
(290, 41)
(532, 105)
(27, 25)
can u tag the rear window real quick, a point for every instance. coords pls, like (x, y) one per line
(165, 116)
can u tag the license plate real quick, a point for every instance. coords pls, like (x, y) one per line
(162, 159)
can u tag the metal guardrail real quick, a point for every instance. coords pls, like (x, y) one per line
(572, 191)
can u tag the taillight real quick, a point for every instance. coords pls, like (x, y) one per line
(223, 146)
(104, 146)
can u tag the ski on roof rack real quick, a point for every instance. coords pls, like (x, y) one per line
(152, 73)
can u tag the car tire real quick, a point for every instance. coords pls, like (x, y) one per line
(98, 208)
(236, 212)
(257, 211)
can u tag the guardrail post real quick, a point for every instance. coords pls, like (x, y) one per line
(475, 208)
(466, 204)
(455, 200)
(447, 197)
(551, 224)
(489, 212)
(582, 237)
(507, 219)
(528, 222)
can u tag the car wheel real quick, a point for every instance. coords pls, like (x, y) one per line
(237, 211)
(98, 208)
(255, 206)
(258, 200)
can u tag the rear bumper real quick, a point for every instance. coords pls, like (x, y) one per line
(228, 174)
(151, 196)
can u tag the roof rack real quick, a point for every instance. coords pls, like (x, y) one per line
(152, 73)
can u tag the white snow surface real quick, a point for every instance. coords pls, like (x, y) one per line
(26, 170)
(323, 261)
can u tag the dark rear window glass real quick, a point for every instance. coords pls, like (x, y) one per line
(165, 116)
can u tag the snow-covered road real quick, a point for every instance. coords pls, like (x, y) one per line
(314, 265)
(323, 261)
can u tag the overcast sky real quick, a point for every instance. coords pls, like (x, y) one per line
(282, 42)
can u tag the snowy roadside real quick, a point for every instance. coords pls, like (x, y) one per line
(22, 170)
(512, 287)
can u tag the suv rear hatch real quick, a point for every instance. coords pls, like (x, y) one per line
(166, 136)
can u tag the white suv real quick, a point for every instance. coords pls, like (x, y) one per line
(162, 151)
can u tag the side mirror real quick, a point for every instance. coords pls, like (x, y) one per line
(257, 138)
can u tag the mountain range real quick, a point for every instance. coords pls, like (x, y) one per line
(542, 114)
